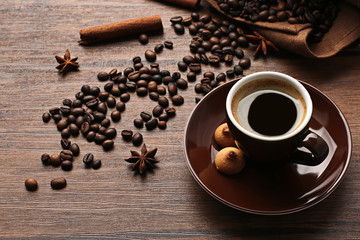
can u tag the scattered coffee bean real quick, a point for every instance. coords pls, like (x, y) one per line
(169, 44)
(74, 148)
(170, 111)
(88, 159)
(137, 139)
(74, 130)
(146, 116)
(126, 135)
(164, 117)
(151, 124)
(56, 117)
(195, 67)
(162, 124)
(177, 100)
(161, 90)
(55, 160)
(116, 116)
(46, 117)
(58, 183)
(65, 133)
(182, 83)
(54, 110)
(99, 138)
(158, 48)
(96, 164)
(67, 102)
(154, 96)
(66, 155)
(238, 70)
(150, 55)
(110, 133)
(138, 122)
(90, 136)
(103, 76)
(198, 88)
(245, 63)
(141, 91)
(172, 89)
(157, 110)
(179, 28)
(230, 73)
(31, 184)
(163, 101)
(66, 165)
(120, 106)
(143, 38)
(62, 124)
(182, 66)
(65, 143)
(176, 19)
(45, 159)
(108, 144)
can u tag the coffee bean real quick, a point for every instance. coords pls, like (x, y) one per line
(74, 148)
(79, 95)
(195, 16)
(96, 164)
(176, 19)
(245, 63)
(154, 96)
(213, 83)
(92, 103)
(74, 130)
(177, 100)
(214, 60)
(115, 91)
(162, 124)
(65, 110)
(56, 117)
(163, 101)
(168, 44)
(55, 160)
(131, 86)
(108, 144)
(152, 86)
(54, 110)
(205, 18)
(198, 88)
(94, 127)
(143, 38)
(110, 133)
(65, 144)
(150, 55)
(172, 89)
(116, 115)
(65, 133)
(99, 138)
(134, 76)
(62, 124)
(111, 102)
(126, 135)
(66, 155)
(179, 28)
(146, 116)
(77, 103)
(142, 83)
(113, 73)
(191, 77)
(136, 59)
(45, 159)
(90, 136)
(108, 87)
(141, 91)
(66, 165)
(102, 130)
(138, 122)
(182, 66)
(87, 98)
(170, 111)
(120, 106)
(58, 183)
(209, 75)
(206, 88)
(167, 79)
(161, 90)
(182, 83)
(88, 159)
(67, 102)
(94, 91)
(158, 48)
(163, 117)
(138, 66)
(103, 76)
(125, 97)
(195, 67)
(137, 139)
(192, 29)
(105, 123)
(230, 73)
(31, 184)
(157, 110)
(46, 117)
(151, 124)
(238, 70)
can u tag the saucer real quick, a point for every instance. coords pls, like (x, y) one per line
(286, 189)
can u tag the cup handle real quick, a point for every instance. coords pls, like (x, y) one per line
(318, 150)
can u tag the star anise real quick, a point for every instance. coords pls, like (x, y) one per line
(262, 42)
(142, 161)
(66, 63)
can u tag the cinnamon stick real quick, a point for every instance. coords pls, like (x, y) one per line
(120, 29)
(192, 4)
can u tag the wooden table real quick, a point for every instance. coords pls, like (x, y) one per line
(112, 202)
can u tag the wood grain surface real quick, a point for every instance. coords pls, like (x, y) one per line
(113, 202)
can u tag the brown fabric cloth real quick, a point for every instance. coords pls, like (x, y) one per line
(293, 37)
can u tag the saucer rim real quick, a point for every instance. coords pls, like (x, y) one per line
(273, 212)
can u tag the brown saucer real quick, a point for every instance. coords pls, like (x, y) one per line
(286, 189)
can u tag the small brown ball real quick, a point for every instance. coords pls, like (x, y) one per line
(230, 160)
(223, 136)
(31, 184)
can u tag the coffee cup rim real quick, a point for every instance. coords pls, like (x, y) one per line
(277, 76)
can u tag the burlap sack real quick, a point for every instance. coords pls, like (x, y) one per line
(293, 37)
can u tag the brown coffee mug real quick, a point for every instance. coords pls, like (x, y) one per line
(268, 114)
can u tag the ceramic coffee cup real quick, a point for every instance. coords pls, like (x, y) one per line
(268, 114)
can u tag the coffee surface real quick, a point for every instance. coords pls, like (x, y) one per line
(272, 114)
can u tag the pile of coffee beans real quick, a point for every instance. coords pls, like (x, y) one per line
(320, 13)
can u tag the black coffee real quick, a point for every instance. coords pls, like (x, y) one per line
(272, 114)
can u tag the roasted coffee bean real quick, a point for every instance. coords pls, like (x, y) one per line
(136, 59)
(187, 21)
(99, 138)
(131, 86)
(195, 16)
(113, 72)
(102, 107)
(206, 88)
(54, 110)
(138, 122)
(90, 136)
(145, 76)
(79, 111)
(66, 165)
(177, 100)
(158, 48)
(74, 148)
(134, 76)
(137, 139)
(170, 111)
(67, 102)
(92, 103)
(152, 86)
(191, 77)
(58, 183)
(162, 124)
(46, 117)
(221, 77)
(198, 88)
(77, 103)
(79, 95)
(146, 116)
(157, 110)
(163, 101)
(96, 164)
(126, 135)
(157, 78)
(94, 127)
(74, 129)
(154, 71)
(103, 76)
(108, 144)
(141, 83)
(111, 102)
(55, 160)
(125, 97)
(230, 73)
(141, 91)
(122, 87)
(45, 159)
(88, 159)
(168, 44)
(214, 60)
(66, 155)
(143, 38)
(62, 124)
(164, 73)
(56, 117)
(239, 53)
(108, 86)
(85, 128)
(102, 129)
(161, 90)
(65, 110)
(238, 70)
(120, 106)
(71, 119)
(154, 96)
(164, 117)
(213, 83)
(228, 59)
(151, 124)
(120, 79)
(105, 123)
(176, 19)
(188, 59)
(89, 117)
(150, 55)
(179, 28)
(98, 116)
(167, 79)
(110, 133)
(138, 66)
(205, 80)
(182, 66)
(205, 18)
(87, 98)
(65, 133)
(116, 115)
(182, 83)
(65, 144)
(193, 29)
(94, 91)
(195, 67)
(31, 184)
(115, 91)
(245, 63)
(243, 42)
(209, 75)
(172, 89)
